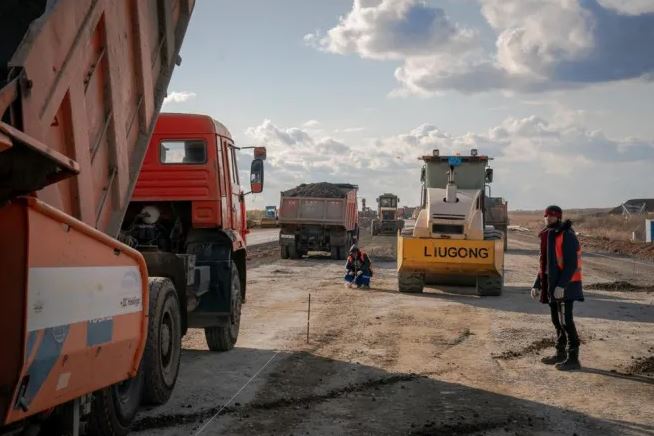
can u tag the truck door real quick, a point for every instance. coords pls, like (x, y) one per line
(235, 197)
(224, 181)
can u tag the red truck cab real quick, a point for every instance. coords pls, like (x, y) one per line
(192, 158)
(187, 217)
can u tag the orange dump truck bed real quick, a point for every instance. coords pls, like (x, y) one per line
(81, 86)
(84, 87)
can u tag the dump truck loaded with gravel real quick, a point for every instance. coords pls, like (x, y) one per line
(318, 217)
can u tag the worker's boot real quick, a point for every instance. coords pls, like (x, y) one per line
(560, 354)
(572, 362)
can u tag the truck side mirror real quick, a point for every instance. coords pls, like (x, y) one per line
(489, 175)
(260, 153)
(256, 176)
(422, 175)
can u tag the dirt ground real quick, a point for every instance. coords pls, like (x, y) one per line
(444, 362)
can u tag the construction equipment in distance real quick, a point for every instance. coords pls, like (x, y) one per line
(270, 218)
(451, 243)
(366, 215)
(387, 222)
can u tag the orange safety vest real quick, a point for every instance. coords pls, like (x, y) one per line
(558, 244)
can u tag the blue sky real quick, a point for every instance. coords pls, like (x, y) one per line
(560, 92)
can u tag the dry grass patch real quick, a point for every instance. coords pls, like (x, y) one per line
(594, 224)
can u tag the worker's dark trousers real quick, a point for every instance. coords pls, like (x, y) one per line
(566, 333)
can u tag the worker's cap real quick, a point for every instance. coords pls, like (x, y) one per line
(554, 211)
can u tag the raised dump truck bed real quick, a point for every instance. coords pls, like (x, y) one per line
(81, 86)
(84, 84)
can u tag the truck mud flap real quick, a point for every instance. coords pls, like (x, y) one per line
(214, 306)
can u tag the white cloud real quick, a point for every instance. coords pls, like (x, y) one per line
(311, 123)
(634, 7)
(393, 29)
(179, 97)
(558, 159)
(540, 44)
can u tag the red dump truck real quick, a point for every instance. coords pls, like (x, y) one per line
(91, 325)
(497, 215)
(318, 217)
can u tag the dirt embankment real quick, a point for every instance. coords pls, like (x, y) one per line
(619, 286)
(262, 254)
(640, 250)
(642, 365)
(597, 231)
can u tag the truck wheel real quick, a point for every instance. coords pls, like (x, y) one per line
(490, 286)
(114, 408)
(283, 252)
(410, 282)
(223, 338)
(164, 346)
(345, 252)
(338, 252)
(293, 252)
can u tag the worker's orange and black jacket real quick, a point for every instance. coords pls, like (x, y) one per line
(560, 263)
(360, 262)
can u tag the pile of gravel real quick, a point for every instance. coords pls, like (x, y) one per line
(320, 190)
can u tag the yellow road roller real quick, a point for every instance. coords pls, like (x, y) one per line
(451, 243)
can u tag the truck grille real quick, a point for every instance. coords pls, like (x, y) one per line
(447, 229)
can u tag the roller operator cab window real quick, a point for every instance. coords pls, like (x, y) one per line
(191, 152)
(387, 202)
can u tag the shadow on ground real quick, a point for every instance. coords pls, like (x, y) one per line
(301, 393)
(517, 299)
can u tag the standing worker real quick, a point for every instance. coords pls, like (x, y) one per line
(559, 284)
(358, 269)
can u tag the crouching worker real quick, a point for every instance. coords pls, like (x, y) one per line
(358, 269)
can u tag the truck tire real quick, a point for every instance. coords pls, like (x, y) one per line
(164, 346)
(292, 252)
(492, 234)
(410, 282)
(113, 409)
(283, 252)
(223, 338)
(344, 252)
(490, 286)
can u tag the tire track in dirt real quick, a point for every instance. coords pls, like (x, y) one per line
(164, 421)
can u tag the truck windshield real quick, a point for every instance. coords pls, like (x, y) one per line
(183, 152)
(387, 202)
